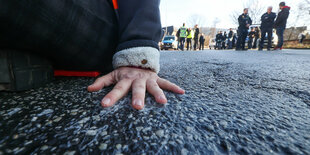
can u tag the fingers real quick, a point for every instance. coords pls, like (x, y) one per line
(138, 93)
(166, 85)
(153, 88)
(101, 82)
(118, 92)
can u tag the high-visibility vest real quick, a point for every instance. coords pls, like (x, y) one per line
(190, 35)
(183, 32)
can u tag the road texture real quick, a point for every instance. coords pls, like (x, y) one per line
(236, 102)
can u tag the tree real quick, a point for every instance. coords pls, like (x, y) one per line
(196, 19)
(304, 12)
(256, 9)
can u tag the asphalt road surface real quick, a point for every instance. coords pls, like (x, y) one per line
(236, 102)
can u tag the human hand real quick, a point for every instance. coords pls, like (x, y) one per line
(136, 79)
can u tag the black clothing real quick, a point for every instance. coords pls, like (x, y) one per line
(268, 20)
(201, 42)
(251, 34)
(78, 34)
(196, 33)
(256, 37)
(219, 37)
(263, 37)
(189, 43)
(196, 38)
(282, 17)
(244, 20)
(230, 34)
(242, 35)
(224, 36)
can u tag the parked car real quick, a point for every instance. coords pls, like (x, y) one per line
(169, 42)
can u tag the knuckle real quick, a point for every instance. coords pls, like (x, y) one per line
(119, 88)
(139, 86)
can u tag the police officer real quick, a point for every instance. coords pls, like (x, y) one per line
(218, 39)
(244, 24)
(201, 42)
(266, 27)
(230, 38)
(196, 37)
(189, 38)
(182, 31)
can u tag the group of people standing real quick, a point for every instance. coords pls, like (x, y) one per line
(269, 21)
(224, 40)
(189, 36)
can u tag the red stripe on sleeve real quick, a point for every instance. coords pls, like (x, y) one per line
(115, 4)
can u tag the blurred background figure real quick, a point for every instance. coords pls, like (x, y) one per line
(230, 38)
(251, 36)
(280, 23)
(244, 21)
(196, 37)
(266, 27)
(189, 38)
(202, 42)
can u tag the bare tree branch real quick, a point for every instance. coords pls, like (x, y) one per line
(196, 19)
(256, 9)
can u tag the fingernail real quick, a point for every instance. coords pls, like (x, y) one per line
(106, 102)
(137, 103)
(162, 98)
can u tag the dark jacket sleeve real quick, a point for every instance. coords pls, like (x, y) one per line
(241, 21)
(139, 23)
(281, 19)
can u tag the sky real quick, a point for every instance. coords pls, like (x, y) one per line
(176, 12)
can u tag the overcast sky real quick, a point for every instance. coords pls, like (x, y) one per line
(175, 12)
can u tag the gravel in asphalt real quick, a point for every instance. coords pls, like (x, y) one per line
(236, 102)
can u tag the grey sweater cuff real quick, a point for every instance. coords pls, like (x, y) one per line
(144, 57)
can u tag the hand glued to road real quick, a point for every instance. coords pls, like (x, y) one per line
(138, 81)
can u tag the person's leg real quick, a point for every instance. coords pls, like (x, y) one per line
(203, 46)
(182, 43)
(255, 43)
(239, 40)
(269, 39)
(74, 34)
(280, 32)
(243, 38)
(262, 39)
(250, 43)
(187, 43)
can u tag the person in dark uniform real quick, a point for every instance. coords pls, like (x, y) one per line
(244, 24)
(251, 37)
(256, 37)
(224, 40)
(234, 40)
(266, 28)
(218, 39)
(202, 42)
(280, 23)
(230, 38)
(196, 37)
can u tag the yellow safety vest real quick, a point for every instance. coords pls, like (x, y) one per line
(190, 35)
(183, 32)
